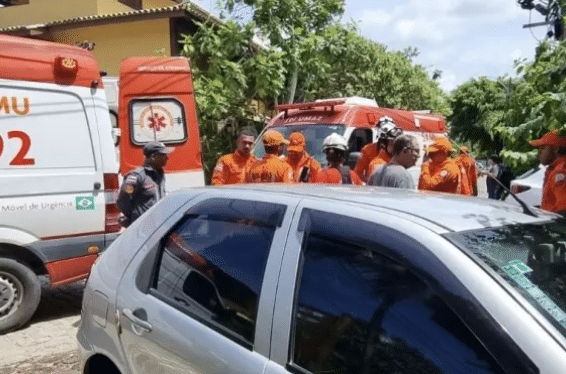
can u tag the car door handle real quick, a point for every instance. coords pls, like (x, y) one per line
(144, 325)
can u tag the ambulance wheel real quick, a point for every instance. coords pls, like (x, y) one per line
(20, 292)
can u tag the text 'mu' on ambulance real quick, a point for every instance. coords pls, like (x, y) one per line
(59, 174)
(354, 118)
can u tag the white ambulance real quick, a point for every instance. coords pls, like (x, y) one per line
(59, 173)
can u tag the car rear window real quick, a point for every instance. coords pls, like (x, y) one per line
(529, 257)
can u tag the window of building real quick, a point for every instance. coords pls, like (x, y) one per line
(211, 265)
(135, 4)
(6, 3)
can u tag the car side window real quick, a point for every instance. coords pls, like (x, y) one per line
(358, 311)
(211, 264)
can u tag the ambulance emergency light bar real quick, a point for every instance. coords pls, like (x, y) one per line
(304, 106)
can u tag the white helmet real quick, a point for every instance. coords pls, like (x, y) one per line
(387, 129)
(336, 141)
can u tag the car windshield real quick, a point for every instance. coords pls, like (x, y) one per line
(314, 133)
(531, 258)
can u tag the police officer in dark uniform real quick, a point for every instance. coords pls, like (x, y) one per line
(145, 185)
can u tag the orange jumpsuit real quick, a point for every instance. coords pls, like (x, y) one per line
(270, 169)
(369, 152)
(305, 161)
(382, 158)
(443, 177)
(469, 165)
(333, 176)
(554, 186)
(232, 169)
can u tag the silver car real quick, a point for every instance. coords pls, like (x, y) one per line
(264, 279)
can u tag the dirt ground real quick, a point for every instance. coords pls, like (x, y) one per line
(47, 343)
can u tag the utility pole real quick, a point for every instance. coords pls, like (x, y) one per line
(552, 11)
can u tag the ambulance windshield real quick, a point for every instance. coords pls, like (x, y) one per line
(314, 134)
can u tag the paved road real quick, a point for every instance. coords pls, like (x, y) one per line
(47, 344)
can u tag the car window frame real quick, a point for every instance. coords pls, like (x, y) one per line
(148, 264)
(479, 322)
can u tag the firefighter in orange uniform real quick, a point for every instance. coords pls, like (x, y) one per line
(271, 169)
(380, 152)
(552, 152)
(335, 147)
(439, 172)
(232, 168)
(304, 166)
(468, 164)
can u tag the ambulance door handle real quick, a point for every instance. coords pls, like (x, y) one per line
(97, 185)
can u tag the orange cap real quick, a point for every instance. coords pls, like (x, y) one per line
(296, 142)
(550, 138)
(464, 149)
(440, 145)
(273, 138)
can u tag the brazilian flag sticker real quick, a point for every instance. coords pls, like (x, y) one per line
(84, 203)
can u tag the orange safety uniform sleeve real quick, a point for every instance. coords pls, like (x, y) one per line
(355, 179)
(442, 178)
(465, 187)
(554, 187)
(473, 175)
(219, 174)
(314, 169)
(369, 152)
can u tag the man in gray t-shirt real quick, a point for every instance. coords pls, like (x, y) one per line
(394, 173)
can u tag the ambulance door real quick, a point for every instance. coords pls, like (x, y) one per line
(157, 103)
(51, 172)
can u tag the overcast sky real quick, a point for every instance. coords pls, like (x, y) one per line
(462, 38)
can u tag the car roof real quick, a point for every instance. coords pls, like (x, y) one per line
(444, 212)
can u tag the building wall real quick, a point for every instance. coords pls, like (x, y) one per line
(159, 3)
(117, 41)
(111, 6)
(41, 11)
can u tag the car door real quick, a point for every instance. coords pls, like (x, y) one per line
(360, 293)
(202, 300)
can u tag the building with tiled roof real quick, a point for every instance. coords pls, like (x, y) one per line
(116, 28)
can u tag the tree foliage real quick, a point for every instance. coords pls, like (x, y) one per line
(232, 78)
(503, 115)
(309, 55)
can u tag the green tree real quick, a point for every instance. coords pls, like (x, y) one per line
(233, 77)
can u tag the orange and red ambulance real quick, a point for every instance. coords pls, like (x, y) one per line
(59, 173)
(354, 118)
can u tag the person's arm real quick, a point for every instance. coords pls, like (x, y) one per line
(314, 170)
(356, 180)
(126, 194)
(287, 174)
(473, 175)
(219, 173)
(363, 163)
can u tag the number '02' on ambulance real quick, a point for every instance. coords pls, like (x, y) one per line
(58, 171)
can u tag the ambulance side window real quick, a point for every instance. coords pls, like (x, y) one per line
(157, 119)
(358, 139)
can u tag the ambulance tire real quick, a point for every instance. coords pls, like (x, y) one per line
(20, 292)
